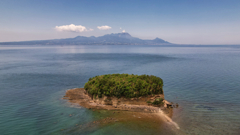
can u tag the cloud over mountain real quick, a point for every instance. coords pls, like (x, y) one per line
(105, 27)
(72, 28)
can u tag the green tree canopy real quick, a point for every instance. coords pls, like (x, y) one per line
(124, 85)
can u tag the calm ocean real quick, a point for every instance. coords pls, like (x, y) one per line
(203, 80)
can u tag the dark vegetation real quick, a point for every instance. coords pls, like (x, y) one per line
(158, 101)
(124, 85)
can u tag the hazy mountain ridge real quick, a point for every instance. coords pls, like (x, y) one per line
(109, 39)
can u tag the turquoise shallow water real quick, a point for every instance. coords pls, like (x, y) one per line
(203, 80)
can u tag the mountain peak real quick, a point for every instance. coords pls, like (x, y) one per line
(124, 35)
(159, 40)
(121, 35)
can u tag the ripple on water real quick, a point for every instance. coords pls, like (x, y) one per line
(204, 81)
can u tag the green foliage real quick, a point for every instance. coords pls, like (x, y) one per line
(149, 102)
(126, 85)
(158, 101)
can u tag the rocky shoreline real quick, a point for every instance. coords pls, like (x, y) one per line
(80, 96)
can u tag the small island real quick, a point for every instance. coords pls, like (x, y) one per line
(138, 93)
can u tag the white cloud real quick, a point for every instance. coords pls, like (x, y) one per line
(123, 31)
(105, 27)
(90, 29)
(72, 28)
(120, 28)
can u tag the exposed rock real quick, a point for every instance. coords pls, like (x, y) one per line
(80, 96)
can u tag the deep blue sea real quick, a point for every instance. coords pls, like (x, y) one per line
(203, 80)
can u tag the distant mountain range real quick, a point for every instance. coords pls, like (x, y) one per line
(109, 39)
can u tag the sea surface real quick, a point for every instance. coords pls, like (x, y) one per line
(203, 80)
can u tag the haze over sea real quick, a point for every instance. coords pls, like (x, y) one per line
(203, 80)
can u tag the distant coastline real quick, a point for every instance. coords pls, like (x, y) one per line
(109, 39)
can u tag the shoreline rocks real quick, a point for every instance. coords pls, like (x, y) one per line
(80, 96)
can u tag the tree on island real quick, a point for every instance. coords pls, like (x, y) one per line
(124, 85)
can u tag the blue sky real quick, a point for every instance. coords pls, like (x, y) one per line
(176, 21)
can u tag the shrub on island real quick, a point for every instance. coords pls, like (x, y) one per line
(124, 85)
(158, 101)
